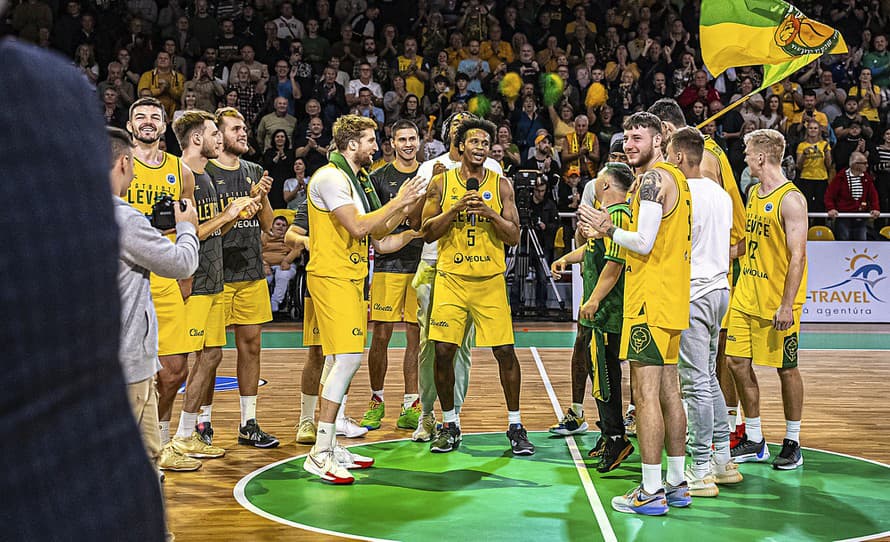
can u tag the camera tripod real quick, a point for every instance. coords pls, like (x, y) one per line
(529, 247)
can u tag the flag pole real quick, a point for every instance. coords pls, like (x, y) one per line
(726, 109)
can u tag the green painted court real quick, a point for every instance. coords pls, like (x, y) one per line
(481, 491)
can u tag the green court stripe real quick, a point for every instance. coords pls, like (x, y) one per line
(566, 339)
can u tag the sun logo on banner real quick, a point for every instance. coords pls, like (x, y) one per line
(864, 268)
(798, 35)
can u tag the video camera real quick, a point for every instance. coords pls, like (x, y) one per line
(524, 182)
(163, 212)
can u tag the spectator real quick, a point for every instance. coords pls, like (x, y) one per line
(284, 85)
(393, 99)
(66, 28)
(568, 197)
(880, 161)
(869, 96)
(179, 63)
(272, 49)
(476, 69)
(278, 160)
(605, 128)
(289, 27)
(278, 260)
(808, 113)
(412, 111)
(118, 81)
(207, 90)
(250, 95)
(257, 71)
(227, 43)
(813, 166)
(511, 150)
(295, 187)
(853, 141)
(114, 114)
(366, 108)
(580, 44)
(29, 17)
(219, 69)
(313, 146)
(852, 190)
(526, 65)
(841, 124)
(581, 149)
(312, 110)
(752, 109)
(700, 89)
(562, 121)
(829, 97)
(331, 95)
(188, 102)
(657, 90)
(347, 49)
(364, 80)
(625, 97)
(413, 68)
(204, 25)
(277, 119)
(462, 91)
(790, 94)
(316, 48)
(543, 158)
(496, 50)
(526, 121)
(878, 61)
(85, 62)
(185, 41)
(683, 75)
(342, 77)
(163, 83)
(362, 24)
(773, 117)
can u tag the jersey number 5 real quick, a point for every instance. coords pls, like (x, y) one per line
(471, 237)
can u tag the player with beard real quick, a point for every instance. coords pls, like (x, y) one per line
(393, 299)
(472, 225)
(200, 140)
(656, 311)
(423, 283)
(245, 293)
(158, 173)
(343, 211)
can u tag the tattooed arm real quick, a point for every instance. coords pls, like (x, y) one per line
(652, 193)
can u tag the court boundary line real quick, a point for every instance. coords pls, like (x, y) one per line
(241, 497)
(599, 510)
(286, 348)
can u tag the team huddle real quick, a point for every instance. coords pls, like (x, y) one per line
(672, 262)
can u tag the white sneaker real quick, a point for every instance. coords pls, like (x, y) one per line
(701, 487)
(727, 473)
(351, 460)
(323, 465)
(346, 427)
(426, 427)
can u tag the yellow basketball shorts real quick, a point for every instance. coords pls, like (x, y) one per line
(311, 334)
(341, 312)
(756, 338)
(247, 302)
(481, 299)
(206, 317)
(647, 344)
(393, 299)
(172, 320)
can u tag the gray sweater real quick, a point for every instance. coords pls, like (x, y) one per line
(143, 250)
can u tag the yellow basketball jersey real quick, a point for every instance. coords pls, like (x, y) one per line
(765, 262)
(729, 184)
(150, 182)
(657, 284)
(813, 167)
(467, 250)
(335, 253)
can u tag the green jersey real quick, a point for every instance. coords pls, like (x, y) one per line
(610, 314)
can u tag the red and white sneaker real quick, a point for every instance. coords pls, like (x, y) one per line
(325, 466)
(351, 460)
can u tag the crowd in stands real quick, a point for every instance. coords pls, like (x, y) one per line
(292, 67)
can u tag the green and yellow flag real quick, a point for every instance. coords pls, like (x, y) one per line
(771, 33)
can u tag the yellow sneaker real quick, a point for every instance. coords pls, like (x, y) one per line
(171, 459)
(194, 446)
(306, 432)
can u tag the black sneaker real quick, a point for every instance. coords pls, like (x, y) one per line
(447, 439)
(615, 451)
(597, 450)
(519, 440)
(749, 451)
(205, 431)
(790, 457)
(251, 435)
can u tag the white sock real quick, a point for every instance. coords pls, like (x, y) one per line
(513, 416)
(721, 452)
(652, 478)
(409, 399)
(187, 421)
(324, 437)
(578, 409)
(732, 416)
(204, 414)
(341, 414)
(630, 408)
(700, 470)
(792, 430)
(307, 406)
(164, 428)
(675, 470)
(248, 409)
(449, 416)
(378, 394)
(752, 427)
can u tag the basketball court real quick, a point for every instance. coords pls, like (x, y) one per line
(481, 491)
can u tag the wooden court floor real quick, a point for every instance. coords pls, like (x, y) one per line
(846, 410)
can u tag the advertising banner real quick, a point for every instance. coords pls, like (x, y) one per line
(847, 282)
